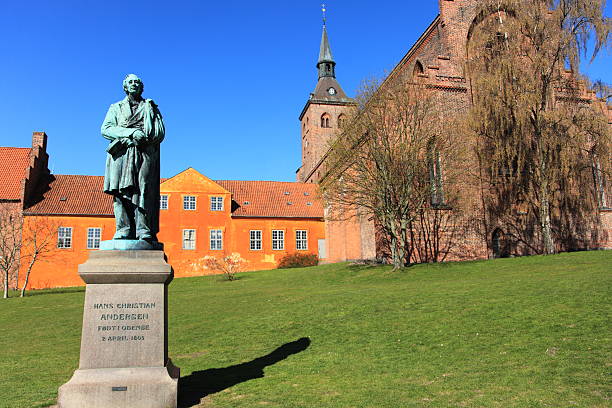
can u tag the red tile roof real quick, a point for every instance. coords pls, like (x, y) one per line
(274, 199)
(14, 163)
(74, 195)
(82, 195)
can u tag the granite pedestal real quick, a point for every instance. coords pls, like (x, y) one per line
(124, 345)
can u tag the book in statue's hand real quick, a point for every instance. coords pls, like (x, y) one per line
(115, 147)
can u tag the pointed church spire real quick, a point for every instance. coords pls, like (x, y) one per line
(326, 64)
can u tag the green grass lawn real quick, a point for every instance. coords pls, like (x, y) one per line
(525, 332)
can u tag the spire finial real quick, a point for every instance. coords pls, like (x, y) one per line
(324, 10)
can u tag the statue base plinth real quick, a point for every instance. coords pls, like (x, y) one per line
(130, 245)
(124, 344)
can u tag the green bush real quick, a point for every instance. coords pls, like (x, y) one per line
(298, 260)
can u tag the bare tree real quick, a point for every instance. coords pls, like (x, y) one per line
(537, 127)
(381, 162)
(10, 245)
(39, 243)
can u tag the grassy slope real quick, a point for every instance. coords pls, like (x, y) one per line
(526, 332)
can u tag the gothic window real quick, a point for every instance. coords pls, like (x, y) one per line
(341, 121)
(435, 175)
(600, 184)
(325, 120)
(498, 244)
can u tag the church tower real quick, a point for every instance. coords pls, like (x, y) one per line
(323, 114)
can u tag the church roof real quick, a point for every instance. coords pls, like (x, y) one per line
(83, 195)
(14, 164)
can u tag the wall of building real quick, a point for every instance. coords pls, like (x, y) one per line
(58, 266)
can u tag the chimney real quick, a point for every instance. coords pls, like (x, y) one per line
(39, 139)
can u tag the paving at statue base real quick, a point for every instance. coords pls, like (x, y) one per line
(525, 332)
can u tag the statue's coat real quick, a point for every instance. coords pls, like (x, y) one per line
(132, 172)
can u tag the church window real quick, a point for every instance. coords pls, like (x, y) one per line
(278, 240)
(341, 121)
(189, 203)
(600, 185)
(64, 237)
(435, 176)
(163, 202)
(93, 238)
(216, 203)
(499, 244)
(189, 239)
(216, 240)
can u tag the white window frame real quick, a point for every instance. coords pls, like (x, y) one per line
(301, 242)
(163, 201)
(94, 236)
(216, 203)
(255, 240)
(278, 240)
(216, 240)
(64, 237)
(190, 201)
(189, 239)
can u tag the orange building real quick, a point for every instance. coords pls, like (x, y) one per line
(260, 220)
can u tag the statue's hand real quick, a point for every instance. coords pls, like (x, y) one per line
(139, 137)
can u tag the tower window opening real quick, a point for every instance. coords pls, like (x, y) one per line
(325, 120)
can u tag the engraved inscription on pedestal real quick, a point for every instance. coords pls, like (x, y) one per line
(124, 326)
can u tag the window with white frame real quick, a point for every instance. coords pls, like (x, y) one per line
(216, 203)
(189, 239)
(93, 238)
(163, 202)
(255, 236)
(278, 239)
(64, 237)
(216, 240)
(189, 203)
(301, 240)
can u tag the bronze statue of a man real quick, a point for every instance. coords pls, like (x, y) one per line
(135, 129)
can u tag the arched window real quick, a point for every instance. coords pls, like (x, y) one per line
(435, 175)
(418, 69)
(499, 244)
(341, 121)
(325, 120)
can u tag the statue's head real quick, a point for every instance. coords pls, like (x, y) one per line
(132, 85)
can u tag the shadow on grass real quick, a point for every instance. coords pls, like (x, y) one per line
(199, 384)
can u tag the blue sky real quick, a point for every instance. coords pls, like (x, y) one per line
(229, 77)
